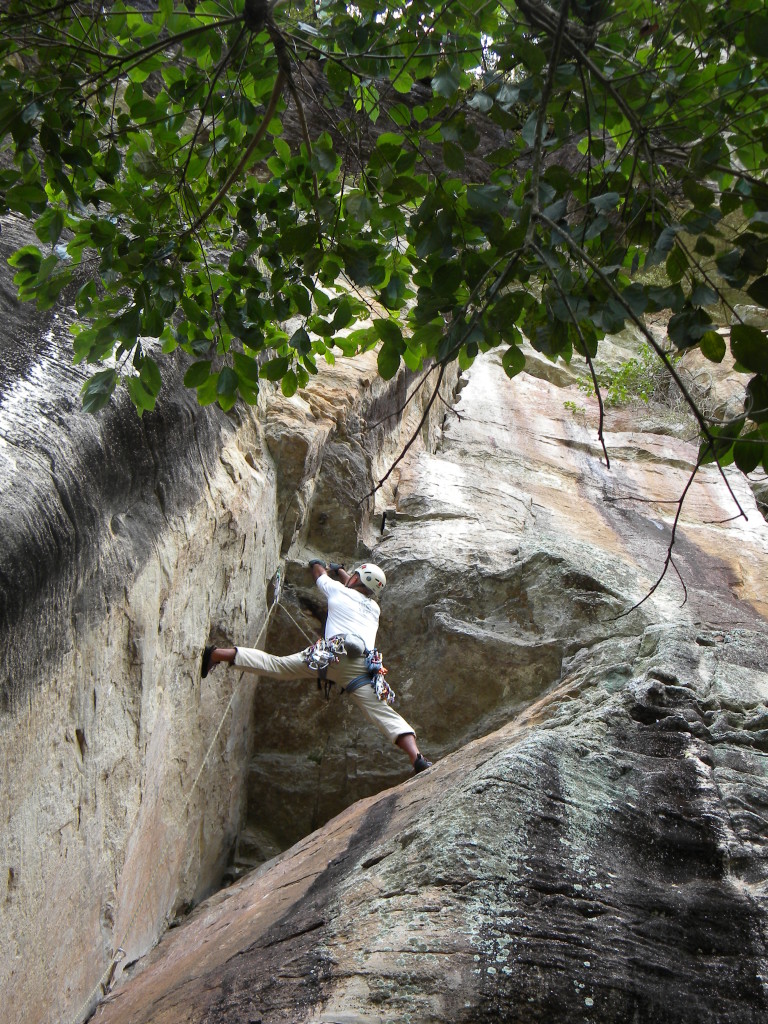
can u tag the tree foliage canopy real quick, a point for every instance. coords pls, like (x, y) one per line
(465, 172)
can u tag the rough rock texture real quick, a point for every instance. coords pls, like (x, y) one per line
(126, 543)
(508, 549)
(591, 844)
(589, 847)
(600, 859)
(118, 539)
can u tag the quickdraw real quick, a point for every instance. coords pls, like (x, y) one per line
(324, 653)
(381, 687)
(374, 661)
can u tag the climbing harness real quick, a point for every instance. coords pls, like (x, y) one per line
(320, 656)
(324, 653)
(382, 689)
(374, 661)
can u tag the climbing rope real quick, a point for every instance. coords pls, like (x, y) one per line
(119, 955)
(296, 624)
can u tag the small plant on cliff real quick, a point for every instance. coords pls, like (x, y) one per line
(642, 379)
(483, 171)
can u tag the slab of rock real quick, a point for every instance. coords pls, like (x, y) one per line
(512, 552)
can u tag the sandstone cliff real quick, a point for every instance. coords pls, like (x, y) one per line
(590, 844)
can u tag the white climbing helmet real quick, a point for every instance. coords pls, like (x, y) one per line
(372, 576)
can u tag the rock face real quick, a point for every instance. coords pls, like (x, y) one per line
(600, 859)
(126, 544)
(508, 549)
(590, 844)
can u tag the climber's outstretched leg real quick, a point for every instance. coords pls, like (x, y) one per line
(251, 660)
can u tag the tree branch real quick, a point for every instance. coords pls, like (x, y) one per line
(277, 89)
(541, 118)
(586, 354)
(411, 441)
(668, 560)
(651, 341)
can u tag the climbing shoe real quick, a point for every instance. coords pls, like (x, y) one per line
(421, 764)
(205, 666)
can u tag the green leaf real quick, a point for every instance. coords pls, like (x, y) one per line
(700, 195)
(513, 361)
(197, 374)
(446, 81)
(481, 102)
(343, 315)
(359, 207)
(206, 392)
(606, 202)
(27, 199)
(150, 375)
(750, 348)
(487, 198)
(756, 34)
(324, 159)
(758, 291)
(704, 247)
(676, 265)
(688, 327)
(703, 295)
(97, 391)
(713, 346)
(299, 239)
(275, 369)
(528, 131)
(431, 217)
(662, 248)
(227, 382)
(27, 258)
(453, 156)
(466, 358)
(402, 82)
(143, 399)
(390, 333)
(395, 294)
(412, 360)
(388, 360)
(247, 369)
(300, 340)
(49, 226)
(748, 452)
(757, 400)
(289, 384)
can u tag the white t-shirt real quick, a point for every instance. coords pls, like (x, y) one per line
(349, 611)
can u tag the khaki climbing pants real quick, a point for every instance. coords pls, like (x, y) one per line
(293, 666)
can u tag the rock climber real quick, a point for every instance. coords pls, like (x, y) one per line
(353, 615)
